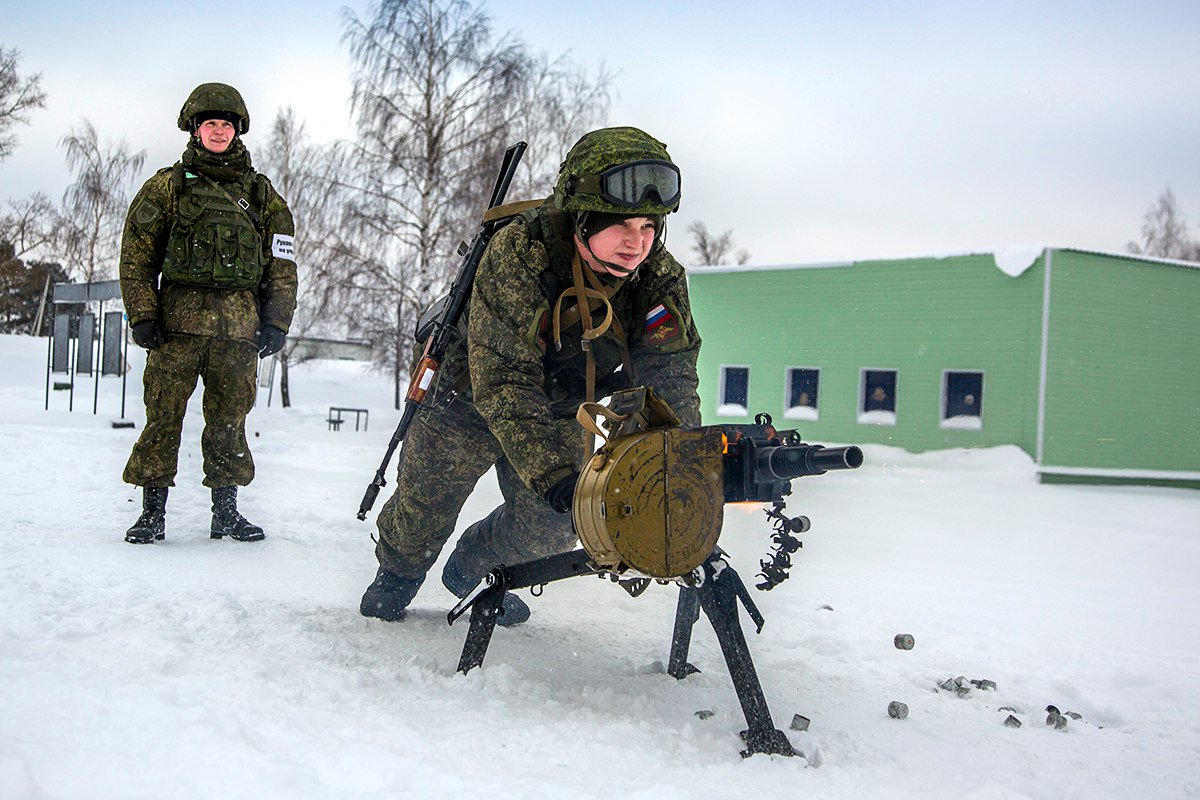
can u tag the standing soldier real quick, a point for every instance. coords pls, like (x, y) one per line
(208, 276)
(531, 358)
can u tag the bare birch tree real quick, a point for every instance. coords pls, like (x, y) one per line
(27, 229)
(559, 102)
(1165, 232)
(18, 96)
(29, 225)
(711, 249)
(94, 205)
(436, 98)
(304, 174)
(429, 95)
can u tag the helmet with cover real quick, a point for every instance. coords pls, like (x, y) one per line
(214, 101)
(623, 171)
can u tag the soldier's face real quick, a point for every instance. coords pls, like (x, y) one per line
(216, 134)
(625, 244)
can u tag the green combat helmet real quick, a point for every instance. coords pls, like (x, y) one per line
(622, 171)
(208, 97)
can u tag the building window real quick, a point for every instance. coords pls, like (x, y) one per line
(877, 399)
(962, 400)
(735, 392)
(802, 386)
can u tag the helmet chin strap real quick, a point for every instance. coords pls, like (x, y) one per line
(615, 269)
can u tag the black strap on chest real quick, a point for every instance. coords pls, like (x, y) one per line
(257, 199)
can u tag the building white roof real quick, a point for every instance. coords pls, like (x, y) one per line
(1012, 260)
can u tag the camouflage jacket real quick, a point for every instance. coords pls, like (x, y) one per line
(197, 310)
(521, 383)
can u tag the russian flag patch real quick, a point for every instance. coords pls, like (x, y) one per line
(657, 316)
(661, 326)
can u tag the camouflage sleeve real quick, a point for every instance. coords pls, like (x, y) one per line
(506, 368)
(277, 290)
(664, 352)
(143, 244)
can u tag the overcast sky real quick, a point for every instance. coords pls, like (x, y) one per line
(815, 131)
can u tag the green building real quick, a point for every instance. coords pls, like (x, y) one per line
(1088, 361)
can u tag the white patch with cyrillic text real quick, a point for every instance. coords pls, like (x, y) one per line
(283, 246)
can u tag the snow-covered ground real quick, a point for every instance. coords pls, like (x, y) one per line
(212, 669)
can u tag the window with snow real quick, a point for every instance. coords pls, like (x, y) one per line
(962, 400)
(735, 392)
(877, 398)
(802, 386)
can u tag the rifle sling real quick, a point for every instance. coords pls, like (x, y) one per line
(507, 210)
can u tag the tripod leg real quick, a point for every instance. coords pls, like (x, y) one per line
(484, 613)
(718, 597)
(487, 601)
(687, 611)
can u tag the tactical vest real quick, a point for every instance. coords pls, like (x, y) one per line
(215, 240)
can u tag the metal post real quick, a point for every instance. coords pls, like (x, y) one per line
(72, 347)
(97, 365)
(125, 361)
(49, 367)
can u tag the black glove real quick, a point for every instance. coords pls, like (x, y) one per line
(270, 340)
(148, 334)
(562, 493)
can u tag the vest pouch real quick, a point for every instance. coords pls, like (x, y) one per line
(212, 242)
(234, 257)
(179, 262)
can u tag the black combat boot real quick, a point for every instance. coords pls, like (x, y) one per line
(388, 596)
(514, 611)
(226, 521)
(152, 524)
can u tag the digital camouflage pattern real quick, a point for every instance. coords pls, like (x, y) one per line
(521, 384)
(214, 97)
(214, 241)
(518, 410)
(227, 368)
(211, 332)
(447, 450)
(595, 152)
(198, 310)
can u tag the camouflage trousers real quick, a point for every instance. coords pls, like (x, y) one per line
(227, 368)
(445, 453)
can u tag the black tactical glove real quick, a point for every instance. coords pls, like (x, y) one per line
(270, 340)
(562, 493)
(148, 334)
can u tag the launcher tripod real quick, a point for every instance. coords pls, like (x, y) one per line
(714, 586)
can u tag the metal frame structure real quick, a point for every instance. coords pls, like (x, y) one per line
(97, 346)
(715, 588)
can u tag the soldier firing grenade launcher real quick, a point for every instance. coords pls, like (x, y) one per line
(444, 322)
(649, 506)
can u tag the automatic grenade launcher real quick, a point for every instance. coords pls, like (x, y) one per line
(651, 500)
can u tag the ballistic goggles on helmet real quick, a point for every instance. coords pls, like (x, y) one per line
(630, 185)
